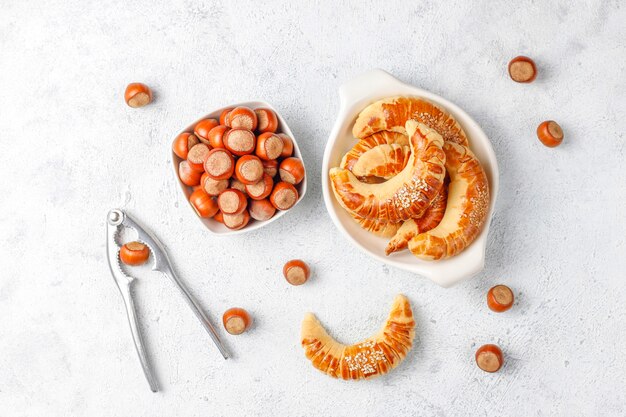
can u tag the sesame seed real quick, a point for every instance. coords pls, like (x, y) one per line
(366, 359)
(409, 194)
(443, 125)
(480, 206)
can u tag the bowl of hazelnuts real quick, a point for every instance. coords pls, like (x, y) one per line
(239, 167)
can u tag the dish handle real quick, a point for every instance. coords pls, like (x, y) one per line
(372, 83)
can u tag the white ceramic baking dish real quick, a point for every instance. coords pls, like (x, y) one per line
(212, 225)
(356, 95)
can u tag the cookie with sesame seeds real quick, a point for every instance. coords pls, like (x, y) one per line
(370, 142)
(412, 227)
(374, 356)
(406, 195)
(466, 212)
(392, 113)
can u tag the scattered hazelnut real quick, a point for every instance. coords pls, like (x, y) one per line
(522, 69)
(296, 272)
(236, 320)
(137, 95)
(500, 298)
(489, 358)
(550, 133)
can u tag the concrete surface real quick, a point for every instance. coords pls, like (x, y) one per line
(71, 150)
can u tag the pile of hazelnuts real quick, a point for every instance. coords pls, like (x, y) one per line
(239, 166)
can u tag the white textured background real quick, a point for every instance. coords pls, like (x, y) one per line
(71, 149)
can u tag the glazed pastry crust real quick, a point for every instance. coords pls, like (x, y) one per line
(378, 227)
(392, 114)
(372, 357)
(408, 194)
(466, 211)
(370, 142)
(379, 161)
(383, 161)
(412, 227)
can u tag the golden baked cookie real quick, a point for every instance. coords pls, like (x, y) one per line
(392, 114)
(412, 227)
(466, 212)
(374, 356)
(406, 195)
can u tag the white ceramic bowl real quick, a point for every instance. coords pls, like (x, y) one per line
(354, 96)
(212, 225)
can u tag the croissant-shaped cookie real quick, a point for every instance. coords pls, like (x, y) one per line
(369, 142)
(382, 161)
(405, 231)
(467, 209)
(408, 194)
(412, 227)
(393, 112)
(378, 227)
(374, 356)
